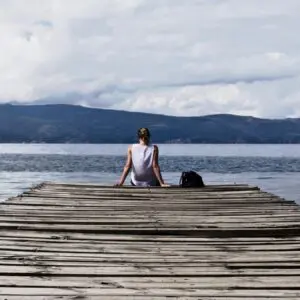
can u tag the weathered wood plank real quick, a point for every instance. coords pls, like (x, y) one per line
(93, 262)
(142, 297)
(148, 246)
(216, 229)
(142, 217)
(140, 221)
(217, 252)
(68, 199)
(174, 188)
(132, 297)
(150, 197)
(207, 257)
(150, 292)
(76, 213)
(114, 237)
(153, 282)
(220, 242)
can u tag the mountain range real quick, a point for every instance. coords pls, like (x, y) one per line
(59, 123)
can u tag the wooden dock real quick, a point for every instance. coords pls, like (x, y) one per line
(62, 241)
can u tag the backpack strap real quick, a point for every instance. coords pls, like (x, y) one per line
(181, 179)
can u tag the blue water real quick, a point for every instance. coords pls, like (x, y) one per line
(274, 168)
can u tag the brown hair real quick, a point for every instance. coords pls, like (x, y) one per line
(144, 133)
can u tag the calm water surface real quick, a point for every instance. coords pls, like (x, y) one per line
(274, 168)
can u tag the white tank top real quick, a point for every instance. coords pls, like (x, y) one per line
(142, 172)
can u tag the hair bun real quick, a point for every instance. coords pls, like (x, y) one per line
(143, 132)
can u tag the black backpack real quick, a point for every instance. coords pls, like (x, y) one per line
(190, 179)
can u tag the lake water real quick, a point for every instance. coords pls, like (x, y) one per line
(274, 168)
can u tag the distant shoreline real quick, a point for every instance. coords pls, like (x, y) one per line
(69, 124)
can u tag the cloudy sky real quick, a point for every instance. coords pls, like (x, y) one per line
(176, 57)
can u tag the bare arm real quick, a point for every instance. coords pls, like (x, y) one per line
(127, 167)
(155, 166)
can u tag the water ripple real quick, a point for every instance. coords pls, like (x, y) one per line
(114, 164)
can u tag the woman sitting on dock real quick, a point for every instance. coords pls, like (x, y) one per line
(142, 158)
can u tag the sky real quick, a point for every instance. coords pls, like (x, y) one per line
(174, 57)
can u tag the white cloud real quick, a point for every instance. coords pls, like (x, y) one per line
(165, 56)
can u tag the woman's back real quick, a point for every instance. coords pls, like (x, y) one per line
(142, 158)
(142, 165)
